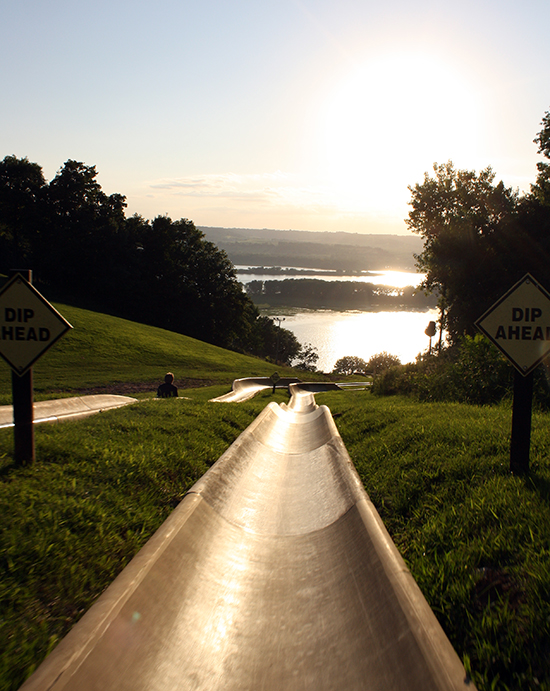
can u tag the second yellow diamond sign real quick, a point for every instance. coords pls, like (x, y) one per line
(29, 325)
(519, 324)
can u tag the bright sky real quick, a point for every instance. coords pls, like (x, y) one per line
(302, 114)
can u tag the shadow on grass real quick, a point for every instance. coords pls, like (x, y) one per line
(540, 484)
(8, 465)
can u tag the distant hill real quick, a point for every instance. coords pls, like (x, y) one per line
(321, 250)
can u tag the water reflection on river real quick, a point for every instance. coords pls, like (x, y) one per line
(364, 334)
(336, 334)
(397, 279)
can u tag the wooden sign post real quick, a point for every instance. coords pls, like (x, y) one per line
(274, 379)
(29, 326)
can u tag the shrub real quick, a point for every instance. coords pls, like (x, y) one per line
(350, 364)
(382, 362)
(400, 379)
(481, 374)
(474, 371)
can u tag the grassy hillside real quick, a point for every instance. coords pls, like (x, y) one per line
(476, 538)
(105, 353)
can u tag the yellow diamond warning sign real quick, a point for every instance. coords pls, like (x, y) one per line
(519, 324)
(29, 325)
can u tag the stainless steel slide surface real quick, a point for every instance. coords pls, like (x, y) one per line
(68, 408)
(274, 573)
(246, 388)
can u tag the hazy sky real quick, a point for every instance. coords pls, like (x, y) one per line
(303, 114)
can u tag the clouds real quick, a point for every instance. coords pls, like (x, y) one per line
(267, 190)
(275, 193)
(229, 185)
(247, 200)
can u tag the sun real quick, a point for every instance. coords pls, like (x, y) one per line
(388, 121)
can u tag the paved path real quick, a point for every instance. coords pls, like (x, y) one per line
(68, 408)
(274, 573)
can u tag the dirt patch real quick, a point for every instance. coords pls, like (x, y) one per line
(495, 584)
(129, 388)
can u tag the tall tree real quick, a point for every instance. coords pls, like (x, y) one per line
(80, 253)
(268, 340)
(541, 190)
(188, 285)
(459, 213)
(84, 249)
(22, 186)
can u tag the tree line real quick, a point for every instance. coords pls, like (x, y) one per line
(318, 293)
(85, 251)
(480, 237)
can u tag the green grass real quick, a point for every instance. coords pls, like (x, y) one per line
(107, 352)
(99, 489)
(476, 538)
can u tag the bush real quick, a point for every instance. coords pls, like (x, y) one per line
(481, 374)
(400, 379)
(350, 364)
(474, 372)
(382, 362)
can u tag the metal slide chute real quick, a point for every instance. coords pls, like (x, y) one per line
(274, 573)
(247, 387)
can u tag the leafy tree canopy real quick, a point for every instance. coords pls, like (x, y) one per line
(543, 137)
(382, 361)
(480, 237)
(269, 340)
(21, 187)
(541, 190)
(350, 364)
(84, 250)
(307, 358)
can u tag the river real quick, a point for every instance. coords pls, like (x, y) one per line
(335, 334)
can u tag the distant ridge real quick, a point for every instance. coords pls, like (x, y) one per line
(314, 249)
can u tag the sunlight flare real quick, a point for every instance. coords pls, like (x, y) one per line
(388, 121)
